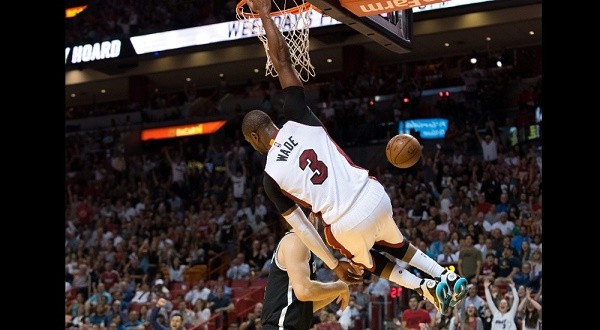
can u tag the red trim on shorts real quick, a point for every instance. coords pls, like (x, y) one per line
(334, 243)
(396, 245)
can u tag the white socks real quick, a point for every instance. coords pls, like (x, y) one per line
(404, 278)
(423, 262)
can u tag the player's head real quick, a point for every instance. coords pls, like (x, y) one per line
(258, 129)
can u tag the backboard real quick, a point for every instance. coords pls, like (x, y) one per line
(392, 30)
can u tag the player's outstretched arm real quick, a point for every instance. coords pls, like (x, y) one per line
(295, 255)
(278, 50)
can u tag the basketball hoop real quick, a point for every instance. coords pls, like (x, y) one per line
(292, 18)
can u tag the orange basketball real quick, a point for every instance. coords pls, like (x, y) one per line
(403, 150)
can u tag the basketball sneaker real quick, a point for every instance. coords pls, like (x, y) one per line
(456, 284)
(437, 293)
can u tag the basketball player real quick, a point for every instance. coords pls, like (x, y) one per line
(292, 293)
(305, 167)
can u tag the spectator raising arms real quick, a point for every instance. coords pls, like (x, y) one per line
(489, 144)
(175, 322)
(531, 312)
(503, 317)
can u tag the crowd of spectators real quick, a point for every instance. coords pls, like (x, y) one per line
(131, 215)
(109, 19)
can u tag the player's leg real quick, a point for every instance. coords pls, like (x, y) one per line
(437, 292)
(379, 231)
(408, 253)
(389, 239)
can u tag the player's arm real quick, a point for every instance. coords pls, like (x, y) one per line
(294, 256)
(297, 220)
(279, 53)
(278, 49)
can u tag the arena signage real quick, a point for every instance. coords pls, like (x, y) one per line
(363, 8)
(446, 5)
(208, 34)
(429, 128)
(181, 130)
(213, 33)
(93, 52)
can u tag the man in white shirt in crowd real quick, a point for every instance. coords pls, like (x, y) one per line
(239, 269)
(198, 291)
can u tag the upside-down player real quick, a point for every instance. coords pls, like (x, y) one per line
(305, 166)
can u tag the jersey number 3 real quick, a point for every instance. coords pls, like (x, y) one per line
(308, 158)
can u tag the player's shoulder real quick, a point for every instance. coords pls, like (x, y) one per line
(290, 237)
(292, 242)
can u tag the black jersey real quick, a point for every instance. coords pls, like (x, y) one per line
(281, 308)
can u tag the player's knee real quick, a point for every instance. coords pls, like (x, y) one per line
(401, 251)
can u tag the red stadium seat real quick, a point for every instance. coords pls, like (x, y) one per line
(176, 286)
(257, 293)
(238, 291)
(258, 282)
(239, 283)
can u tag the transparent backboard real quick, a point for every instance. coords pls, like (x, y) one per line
(392, 30)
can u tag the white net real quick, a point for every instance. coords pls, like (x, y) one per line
(292, 18)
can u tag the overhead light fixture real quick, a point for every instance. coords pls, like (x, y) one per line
(473, 59)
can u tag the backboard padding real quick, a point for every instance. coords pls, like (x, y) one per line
(394, 32)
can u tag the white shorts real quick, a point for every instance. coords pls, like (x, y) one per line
(355, 238)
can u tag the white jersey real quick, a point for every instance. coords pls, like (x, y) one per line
(503, 321)
(310, 167)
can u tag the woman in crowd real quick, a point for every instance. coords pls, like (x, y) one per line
(503, 315)
(530, 312)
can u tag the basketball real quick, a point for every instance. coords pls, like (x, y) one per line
(403, 150)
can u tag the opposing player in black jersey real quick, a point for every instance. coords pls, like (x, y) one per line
(292, 294)
(306, 167)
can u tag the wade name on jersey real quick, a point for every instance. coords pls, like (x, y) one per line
(285, 149)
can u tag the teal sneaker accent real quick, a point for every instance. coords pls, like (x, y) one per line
(444, 297)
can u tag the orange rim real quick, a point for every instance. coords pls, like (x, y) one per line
(306, 6)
